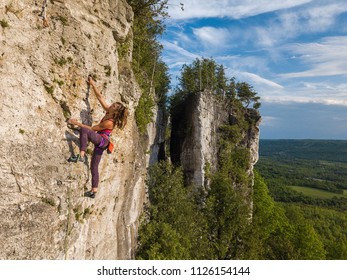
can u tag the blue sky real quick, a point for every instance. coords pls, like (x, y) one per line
(293, 52)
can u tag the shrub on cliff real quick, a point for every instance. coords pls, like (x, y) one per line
(150, 71)
(174, 227)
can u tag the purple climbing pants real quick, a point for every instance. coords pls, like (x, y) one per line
(87, 135)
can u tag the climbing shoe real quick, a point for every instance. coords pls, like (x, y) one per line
(90, 194)
(76, 158)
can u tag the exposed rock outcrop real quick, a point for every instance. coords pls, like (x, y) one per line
(195, 124)
(43, 72)
(195, 134)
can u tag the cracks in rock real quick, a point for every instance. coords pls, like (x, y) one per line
(68, 229)
(15, 177)
(11, 8)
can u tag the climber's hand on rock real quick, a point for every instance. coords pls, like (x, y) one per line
(90, 80)
(72, 121)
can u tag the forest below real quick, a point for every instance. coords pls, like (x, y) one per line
(310, 176)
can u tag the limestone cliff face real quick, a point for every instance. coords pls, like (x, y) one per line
(42, 71)
(194, 138)
(194, 135)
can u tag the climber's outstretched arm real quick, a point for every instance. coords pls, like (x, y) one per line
(98, 94)
(101, 126)
(75, 122)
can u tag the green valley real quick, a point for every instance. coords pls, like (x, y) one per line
(310, 177)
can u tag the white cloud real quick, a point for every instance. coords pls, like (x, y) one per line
(327, 58)
(175, 57)
(211, 35)
(236, 64)
(326, 87)
(310, 19)
(300, 95)
(259, 81)
(177, 49)
(292, 23)
(327, 93)
(228, 8)
(266, 37)
(322, 17)
(269, 121)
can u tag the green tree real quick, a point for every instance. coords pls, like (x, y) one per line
(307, 243)
(270, 234)
(175, 229)
(227, 202)
(247, 95)
(330, 225)
(221, 80)
(201, 75)
(227, 214)
(206, 75)
(150, 71)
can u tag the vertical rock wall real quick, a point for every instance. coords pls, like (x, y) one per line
(42, 73)
(194, 135)
(194, 138)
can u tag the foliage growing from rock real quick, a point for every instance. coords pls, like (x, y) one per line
(150, 71)
(247, 95)
(4, 23)
(206, 75)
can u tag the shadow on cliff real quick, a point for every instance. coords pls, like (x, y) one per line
(87, 118)
(72, 138)
(86, 114)
(157, 149)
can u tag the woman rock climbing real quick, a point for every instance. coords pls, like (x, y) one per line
(116, 116)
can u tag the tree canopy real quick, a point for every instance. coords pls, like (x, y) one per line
(206, 75)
